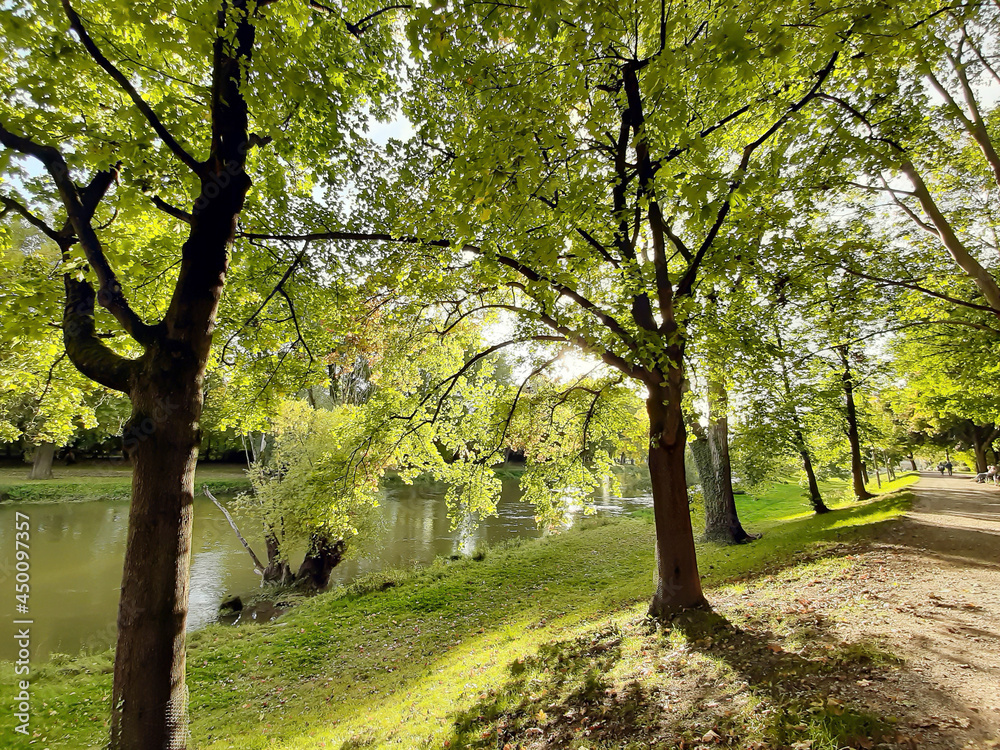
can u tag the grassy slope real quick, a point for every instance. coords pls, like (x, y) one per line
(104, 481)
(399, 666)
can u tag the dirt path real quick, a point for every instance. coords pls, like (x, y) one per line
(920, 603)
(934, 581)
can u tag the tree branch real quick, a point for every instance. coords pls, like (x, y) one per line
(164, 135)
(686, 284)
(39, 224)
(110, 294)
(605, 318)
(172, 210)
(89, 354)
(921, 289)
(277, 288)
(258, 566)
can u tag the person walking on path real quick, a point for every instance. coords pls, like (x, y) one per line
(948, 466)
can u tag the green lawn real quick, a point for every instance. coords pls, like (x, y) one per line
(404, 666)
(106, 480)
(787, 501)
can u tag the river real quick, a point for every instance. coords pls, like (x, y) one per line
(77, 550)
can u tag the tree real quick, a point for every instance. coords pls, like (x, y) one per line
(587, 202)
(301, 501)
(916, 123)
(780, 397)
(714, 333)
(44, 400)
(710, 449)
(131, 115)
(947, 389)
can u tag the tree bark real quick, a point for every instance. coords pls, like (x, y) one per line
(979, 448)
(149, 699)
(320, 560)
(148, 708)
(913, 462)
(41, 462)
(711, 453)
(277, 570)
(678, 584)
(853, 437)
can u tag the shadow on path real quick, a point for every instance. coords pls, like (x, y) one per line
(953, 518)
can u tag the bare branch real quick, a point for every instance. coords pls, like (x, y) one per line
(258, 566)
(39, 224)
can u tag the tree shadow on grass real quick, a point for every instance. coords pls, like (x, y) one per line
(797, 692)
(563, 684)
(703, 682)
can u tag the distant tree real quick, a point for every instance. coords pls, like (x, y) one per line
(916, 137)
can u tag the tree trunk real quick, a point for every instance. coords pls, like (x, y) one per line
(889, 470)
(277, 570)
(165, 386)
(711, 453)
(913, 463)
(41, 463)
(320, 560)
(853, 437)
(800, 441)
(979, 448)
(814, 494)
(149, 698)
(678, 585)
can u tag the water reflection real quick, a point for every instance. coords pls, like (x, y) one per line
(77, 551)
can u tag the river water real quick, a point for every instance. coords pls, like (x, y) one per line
(77, 550)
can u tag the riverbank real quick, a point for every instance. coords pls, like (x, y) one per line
(445, 656)
(104, 480)
(112, 480)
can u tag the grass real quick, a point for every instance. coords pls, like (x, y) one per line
(104, 481)
(439, 657)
